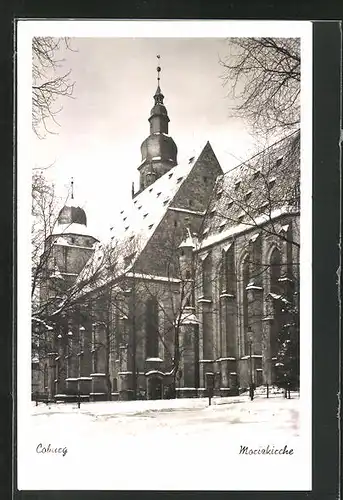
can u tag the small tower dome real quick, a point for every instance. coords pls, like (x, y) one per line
(72, 218)
(159, 109)
(159, 147)
(72, 215)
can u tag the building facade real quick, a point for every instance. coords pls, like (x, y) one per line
(199, 274)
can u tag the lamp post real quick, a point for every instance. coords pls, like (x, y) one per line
(210, 386)
(250, 340)
(134, 340)
(93, 348)
(81, 348)
(69, 356)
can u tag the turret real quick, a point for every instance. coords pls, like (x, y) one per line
(70, 244)
(186, 249)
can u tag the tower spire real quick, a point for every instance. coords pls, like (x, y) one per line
(159, 151)
(158, 69)
(72, 187)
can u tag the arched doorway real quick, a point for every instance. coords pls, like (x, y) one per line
(154, 386)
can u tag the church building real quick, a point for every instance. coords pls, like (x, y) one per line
(199, 273)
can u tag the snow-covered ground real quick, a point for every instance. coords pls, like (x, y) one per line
(166, 444)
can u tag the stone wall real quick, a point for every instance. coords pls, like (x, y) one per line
(222, 326)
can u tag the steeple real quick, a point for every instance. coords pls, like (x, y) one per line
(158, 116)
(159, 151)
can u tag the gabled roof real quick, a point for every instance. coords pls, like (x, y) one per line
(141, 215)
(135, 224)
(137, 221)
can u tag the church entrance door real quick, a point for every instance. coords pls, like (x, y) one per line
(155, 388)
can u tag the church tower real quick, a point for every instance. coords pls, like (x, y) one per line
(159, 151)
(70, 245)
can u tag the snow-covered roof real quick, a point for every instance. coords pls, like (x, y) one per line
(152, 277)
(136, 222)
(141, 215)
(62, 241)
(242, 199)
(216, 237)
(73, 228)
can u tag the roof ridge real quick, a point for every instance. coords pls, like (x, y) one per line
(244, 163)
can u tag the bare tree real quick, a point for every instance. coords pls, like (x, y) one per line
(175, 309)
(62, 307)
(127, 305)
(263, 78)
(53, 297)
(257, 206)
(49, 82)
(112, 292)
(258, 192)
(44, 213)
(119, 315)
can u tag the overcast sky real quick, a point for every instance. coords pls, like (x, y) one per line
(102, 127)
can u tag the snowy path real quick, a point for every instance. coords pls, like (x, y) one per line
(134, 445)
(182, 416)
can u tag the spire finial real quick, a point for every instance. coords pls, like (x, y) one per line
(158, 69)
(72, 187)
(158, 94)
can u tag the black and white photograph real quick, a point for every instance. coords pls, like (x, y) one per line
(164, 255)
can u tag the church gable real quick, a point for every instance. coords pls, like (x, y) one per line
(185, 209)
(195, 192)
(138, 220)
(138, 224)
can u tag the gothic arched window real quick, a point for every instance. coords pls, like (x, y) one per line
(45, 377)
(221, 274)
(151, 328)
(229, 269)
(206, 276)
(256, 268)
(94, 350)
(275, 271)
(245, 308)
